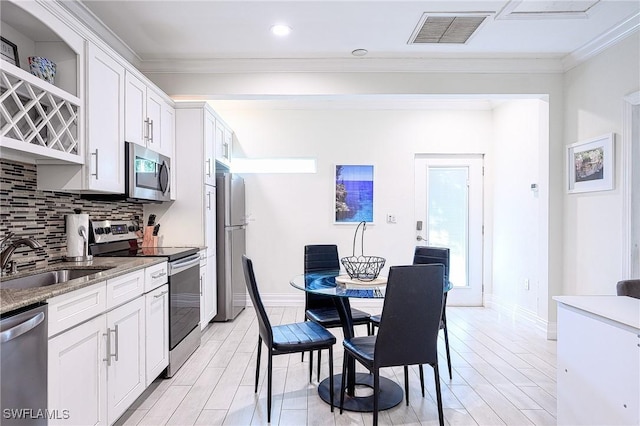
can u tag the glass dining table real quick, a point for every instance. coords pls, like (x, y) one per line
(359, 389)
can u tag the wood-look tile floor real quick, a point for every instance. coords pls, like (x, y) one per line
(504, 373)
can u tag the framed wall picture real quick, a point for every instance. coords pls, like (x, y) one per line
(9, 52)
(353, 190)
(590, 164)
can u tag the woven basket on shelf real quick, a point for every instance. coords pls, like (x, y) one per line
(363, 268)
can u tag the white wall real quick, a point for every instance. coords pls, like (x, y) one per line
(289, 211)
(593, 221)
(518, 211)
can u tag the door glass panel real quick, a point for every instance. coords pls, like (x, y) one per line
(447, 212)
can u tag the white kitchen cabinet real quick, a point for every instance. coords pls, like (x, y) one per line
(598, 369)
(27, 101)
(208, 290)
(145, 112)
(125, 357)
(110, 342)
(156, 332)
(105, 131)
(77, 375)
(209, 143)
(224, 143)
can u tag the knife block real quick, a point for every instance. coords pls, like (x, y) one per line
(148, 240)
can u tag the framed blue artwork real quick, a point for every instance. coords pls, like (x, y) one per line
(353, 193)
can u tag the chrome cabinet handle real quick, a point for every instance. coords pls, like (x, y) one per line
(157, 296)
(145, 131)
(150, 124)
(200, 285)
(225, 146)
(159, 274)
(208, 200)
(109, 354)
(209, 167)
(96, 173)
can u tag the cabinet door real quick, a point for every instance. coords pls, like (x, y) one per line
(154, 121)
(157, 332)
(77, 376)
(167, 130)
(210, 219)
(125, 365)
(209, 148)
(135, 115)
(105, 116)
(220, 142)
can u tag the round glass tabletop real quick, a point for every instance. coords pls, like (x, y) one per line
(337, 283)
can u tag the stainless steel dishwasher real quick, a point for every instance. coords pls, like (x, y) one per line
(23, 366)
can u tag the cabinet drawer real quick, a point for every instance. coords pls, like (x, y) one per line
(70, 309)
(124, 288)
(155, 276)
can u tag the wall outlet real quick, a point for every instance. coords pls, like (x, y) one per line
(391, 218)
(526, 284)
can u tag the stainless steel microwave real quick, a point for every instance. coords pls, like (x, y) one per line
(148, 174)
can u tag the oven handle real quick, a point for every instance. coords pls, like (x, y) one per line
(182, 264)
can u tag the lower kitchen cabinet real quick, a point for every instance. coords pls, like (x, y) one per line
(77, 378)
(125, 357)
(208, 291)
(98, 366)
(156, 332)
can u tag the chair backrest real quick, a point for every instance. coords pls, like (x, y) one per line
(411, 313)
(252, 286)
(320, 257)
(426, 255)
(629, 288)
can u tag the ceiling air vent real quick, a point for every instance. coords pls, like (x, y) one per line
(446, 29)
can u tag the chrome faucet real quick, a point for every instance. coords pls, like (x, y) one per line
(7, 252)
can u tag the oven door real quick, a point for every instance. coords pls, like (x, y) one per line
(184, 298)
(148, 174)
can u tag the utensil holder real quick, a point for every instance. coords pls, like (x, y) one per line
(148, 239)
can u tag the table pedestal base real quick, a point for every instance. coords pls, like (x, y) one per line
(391, 393)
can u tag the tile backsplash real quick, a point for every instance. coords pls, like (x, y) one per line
(29, 212)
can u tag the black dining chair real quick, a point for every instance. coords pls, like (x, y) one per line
(321, 309)
(425, 255)
(629, 288)
(286, 338)
(408, 330)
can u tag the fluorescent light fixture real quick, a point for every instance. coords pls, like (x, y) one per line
(281, 30)
(273, 165)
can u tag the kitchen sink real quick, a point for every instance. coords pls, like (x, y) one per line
(48, 278)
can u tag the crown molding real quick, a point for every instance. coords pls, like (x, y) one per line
(603, 42)
(320, 65)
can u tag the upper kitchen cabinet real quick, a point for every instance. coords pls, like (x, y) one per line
(149, 119)
(105, 118)
(42, 121)
(223, 143)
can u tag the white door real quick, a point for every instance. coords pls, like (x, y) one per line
(449, 214)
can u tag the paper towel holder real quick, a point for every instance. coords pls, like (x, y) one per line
(82, 231)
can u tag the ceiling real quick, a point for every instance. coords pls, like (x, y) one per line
(169, 34)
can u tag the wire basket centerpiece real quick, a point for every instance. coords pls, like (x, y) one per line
(363, 268)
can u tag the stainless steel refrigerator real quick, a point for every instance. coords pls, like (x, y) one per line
(231, 223)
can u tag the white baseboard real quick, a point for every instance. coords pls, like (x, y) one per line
(520, 313)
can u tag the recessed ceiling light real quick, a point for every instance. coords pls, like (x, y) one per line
(359, 52)
(281, 30)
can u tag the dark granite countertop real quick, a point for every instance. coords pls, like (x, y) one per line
(11, 299)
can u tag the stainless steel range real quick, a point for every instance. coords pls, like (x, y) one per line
(120, 239)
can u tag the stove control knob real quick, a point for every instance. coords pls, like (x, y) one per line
(99, 231)
(107, 230)
(132, 228)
